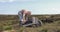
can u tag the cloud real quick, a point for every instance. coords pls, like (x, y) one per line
(16, 0)
(48, 11)
(3, 1)
(51, 9)
(11, 0)
(25, 0)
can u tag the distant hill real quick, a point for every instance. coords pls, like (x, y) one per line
(15, 17)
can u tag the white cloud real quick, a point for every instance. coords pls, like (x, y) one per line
(3, 1)
(48, 11)
(25, 0)
(52, 9)
(11, 0)
(16, 0)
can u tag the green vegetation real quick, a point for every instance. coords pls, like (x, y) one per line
(7, 28)
(11, 22)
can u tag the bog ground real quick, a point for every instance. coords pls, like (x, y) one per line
(10, 23)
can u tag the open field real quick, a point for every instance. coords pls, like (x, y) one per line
(11, 23)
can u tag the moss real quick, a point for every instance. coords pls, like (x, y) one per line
(7, 28)
(21, 29)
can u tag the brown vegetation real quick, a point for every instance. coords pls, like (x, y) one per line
(11, 22)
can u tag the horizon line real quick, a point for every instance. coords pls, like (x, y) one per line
(31, 14)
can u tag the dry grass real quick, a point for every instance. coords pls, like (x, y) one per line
(7, 23)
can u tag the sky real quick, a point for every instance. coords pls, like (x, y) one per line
(35, 6)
